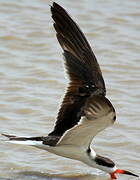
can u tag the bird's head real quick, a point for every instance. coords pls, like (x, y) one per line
(120, 171)
(108, 166)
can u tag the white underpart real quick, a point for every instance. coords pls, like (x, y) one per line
(69, 151)
(83, 133)
(29, 142)
(97, 118)
(75, 141)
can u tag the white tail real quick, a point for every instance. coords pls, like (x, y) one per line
(28, 142)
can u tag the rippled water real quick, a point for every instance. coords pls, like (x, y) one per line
(32, 84)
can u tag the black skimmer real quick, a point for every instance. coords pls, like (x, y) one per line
(85, 111)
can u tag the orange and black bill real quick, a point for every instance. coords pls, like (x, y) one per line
(120, 171)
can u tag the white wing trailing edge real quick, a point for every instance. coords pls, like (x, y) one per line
(99, 114)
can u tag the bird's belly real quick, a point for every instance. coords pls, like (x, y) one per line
(68, 151)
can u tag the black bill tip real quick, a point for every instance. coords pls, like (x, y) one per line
(129, 173)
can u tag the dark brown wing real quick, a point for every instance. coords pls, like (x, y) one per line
(82, 67)
(72, 40)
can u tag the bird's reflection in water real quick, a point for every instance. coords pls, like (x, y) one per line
(44, 176)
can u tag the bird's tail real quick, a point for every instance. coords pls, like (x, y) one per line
(32, 141)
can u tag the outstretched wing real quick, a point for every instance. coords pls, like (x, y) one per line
(99, 114)
(82, 67)
(84, 111)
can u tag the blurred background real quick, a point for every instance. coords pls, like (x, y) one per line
(32, 84)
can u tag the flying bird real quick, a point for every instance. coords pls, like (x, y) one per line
(85, 110)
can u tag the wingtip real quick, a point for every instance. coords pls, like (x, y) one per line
(8, 136)
(56, 7)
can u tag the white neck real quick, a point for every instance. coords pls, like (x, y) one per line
(90, 161)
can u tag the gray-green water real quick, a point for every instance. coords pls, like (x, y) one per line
(32, 84)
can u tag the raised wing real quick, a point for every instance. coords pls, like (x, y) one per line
(99, 114)
(82, 67)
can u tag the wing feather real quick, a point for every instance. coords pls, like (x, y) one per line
(72, 40)
(99, 114)
(82, 67)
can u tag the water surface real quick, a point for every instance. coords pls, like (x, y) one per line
(32, 84)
